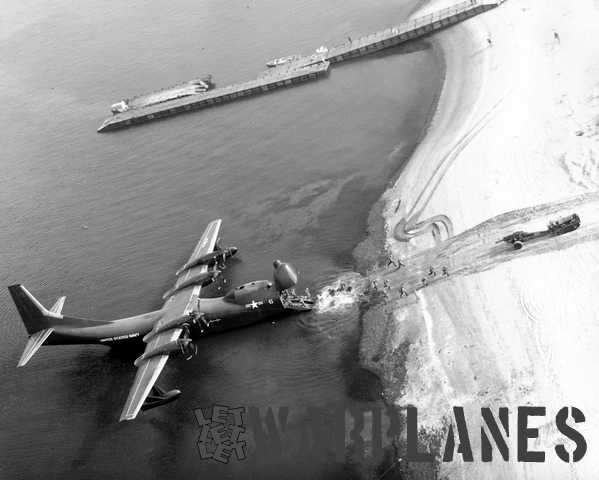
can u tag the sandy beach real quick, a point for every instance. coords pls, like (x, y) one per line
(515, 126)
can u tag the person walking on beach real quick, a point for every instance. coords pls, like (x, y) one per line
(386, 285)
(396, 263)
(556, 36)
(489, 42)
(402, 291)
(431, 272)
(424, 282)
(445, 272)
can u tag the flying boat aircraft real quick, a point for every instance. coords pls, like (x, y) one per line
(172, 329)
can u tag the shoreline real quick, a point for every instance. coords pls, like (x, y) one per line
(373, 247)
(515, 127)
(436, 131)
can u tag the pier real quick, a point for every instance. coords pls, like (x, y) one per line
(305, 68)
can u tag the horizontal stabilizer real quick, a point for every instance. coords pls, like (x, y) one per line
(57, 307)
(34, 343)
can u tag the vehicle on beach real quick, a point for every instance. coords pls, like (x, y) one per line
(554, 228)
(192, 87)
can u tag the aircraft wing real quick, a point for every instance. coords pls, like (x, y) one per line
(179, 304)
(147, 374)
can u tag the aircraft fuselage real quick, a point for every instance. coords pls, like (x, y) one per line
(242, 306)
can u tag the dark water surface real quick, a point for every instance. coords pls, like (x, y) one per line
(107, 219)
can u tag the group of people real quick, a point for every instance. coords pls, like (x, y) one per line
(396, 263)
(432, 273)
(402, 291)
(342, 288)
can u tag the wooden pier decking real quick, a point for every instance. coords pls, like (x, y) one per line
(414, 29)
(305, 68)
(214, 97)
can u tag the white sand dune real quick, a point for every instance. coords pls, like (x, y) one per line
(516, 126)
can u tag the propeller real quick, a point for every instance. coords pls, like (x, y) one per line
(188, 348)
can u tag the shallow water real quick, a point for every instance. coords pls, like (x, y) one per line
(107, 219)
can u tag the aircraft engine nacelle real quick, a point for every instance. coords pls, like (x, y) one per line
(182, 345)
(168, 323)
(284, 275)
(204, 279)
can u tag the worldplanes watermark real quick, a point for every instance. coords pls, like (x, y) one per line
(228, 433)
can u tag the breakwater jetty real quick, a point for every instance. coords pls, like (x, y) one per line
(299, 69)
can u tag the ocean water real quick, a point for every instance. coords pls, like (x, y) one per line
(107, 219)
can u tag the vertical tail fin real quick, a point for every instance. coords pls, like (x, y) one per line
(37, 319)
(34, 315)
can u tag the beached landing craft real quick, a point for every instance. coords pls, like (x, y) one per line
(172, 329)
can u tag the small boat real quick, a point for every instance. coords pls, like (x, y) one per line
(119, 107)
(275, 62)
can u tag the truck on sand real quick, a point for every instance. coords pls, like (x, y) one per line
(554, 228)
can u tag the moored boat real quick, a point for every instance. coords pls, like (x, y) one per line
(275, 62)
